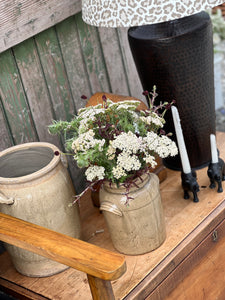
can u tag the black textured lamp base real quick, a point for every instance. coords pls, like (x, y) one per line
(177, 57)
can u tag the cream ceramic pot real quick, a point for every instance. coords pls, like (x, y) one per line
(139, 227)
(35, 186)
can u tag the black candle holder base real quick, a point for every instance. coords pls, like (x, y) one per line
(189, 184)
(216, 174)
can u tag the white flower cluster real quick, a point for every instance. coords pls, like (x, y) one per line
(131, 146)
(87, 141)
(111, 151)
(128, 162)
(118, 172)
(166, 147)
(162, 145)
(128, 105)
(153, 118)
(100, 141)
(151, 140)
(150, 159)
(88, 114)
(95, 173)
(127, 142)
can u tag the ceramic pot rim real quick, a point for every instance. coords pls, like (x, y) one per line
(22, 179)
(140, 183)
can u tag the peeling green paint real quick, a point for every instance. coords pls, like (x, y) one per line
(74, 61)
(93, 55)
(55, 74)
(14, 100)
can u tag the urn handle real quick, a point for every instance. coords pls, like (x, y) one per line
(5, 199)
(110, 207)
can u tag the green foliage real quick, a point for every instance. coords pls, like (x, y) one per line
(114, 141)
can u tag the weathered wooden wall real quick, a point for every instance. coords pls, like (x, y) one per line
(43, 77)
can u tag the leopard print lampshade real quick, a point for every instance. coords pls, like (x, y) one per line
(126, 13)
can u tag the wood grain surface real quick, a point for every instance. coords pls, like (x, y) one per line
(187, 225)
(75, 253)
(19, 20)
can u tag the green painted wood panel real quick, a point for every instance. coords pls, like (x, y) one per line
(14, 101)
(93, 56)
(6, 139)
(74, 61)
(55, 74)
(59, 87)
(36, 90)
(44, 77)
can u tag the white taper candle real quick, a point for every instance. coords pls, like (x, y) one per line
(180, 139)
(213, 149)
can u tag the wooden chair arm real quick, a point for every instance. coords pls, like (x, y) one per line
(100, 264)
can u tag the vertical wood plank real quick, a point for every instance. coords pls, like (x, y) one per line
(59, 89)
(131, 71)
(55, 74)
(6, 140)
(74, 61)
(14, 101)
(113, 59)
(36, 90)
(22, 19)
(93, 56)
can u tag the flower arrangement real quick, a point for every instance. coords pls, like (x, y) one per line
(115, 142)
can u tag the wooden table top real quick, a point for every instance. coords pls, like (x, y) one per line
(183, 217)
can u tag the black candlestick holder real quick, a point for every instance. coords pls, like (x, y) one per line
(216, 173)
(189, 184)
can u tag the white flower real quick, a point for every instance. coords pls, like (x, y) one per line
(166, 147)
(128, 162)
(127, 104)
(118, 172)
(111, 151)
(151, 140)
(163, 145)
(85, 111)
(149, 159)
(173, 149)
(153, 118)
(84, 126)
(75, 145)
(95, 173)
(88, 114)
(127, 142)
(87, 141)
